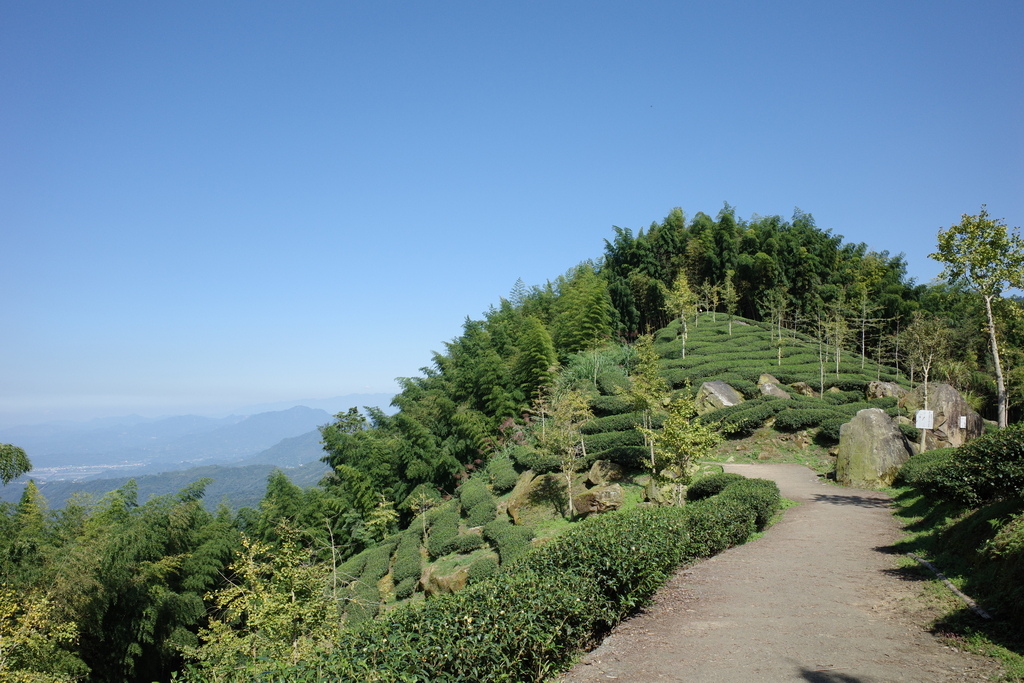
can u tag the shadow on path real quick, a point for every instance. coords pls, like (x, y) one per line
(859, 501)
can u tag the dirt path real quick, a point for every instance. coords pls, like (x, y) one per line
(814, 599)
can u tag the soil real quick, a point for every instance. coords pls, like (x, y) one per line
(817, 598)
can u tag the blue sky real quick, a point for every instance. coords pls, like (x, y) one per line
(211, 204)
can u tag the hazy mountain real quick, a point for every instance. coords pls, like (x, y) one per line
(236, 486)
(160, 444)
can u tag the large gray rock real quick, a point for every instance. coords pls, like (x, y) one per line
(949, 406)
(804, 389)
(537, 499)
(884, 390)
(772, 389)
(599, 499)
(714, 395)
(605, 471)
(871, 450)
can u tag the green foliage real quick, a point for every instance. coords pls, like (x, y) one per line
(987, 469)
(13, 463)
(609, 405)
(443, 527)
(477, 502)
(618, 423)
(511, 541)
(529, 620)
(530, 458)
(502, 472)
(483, 568)
(760, 495)
(408, 561)
(712, 485)
(278, 610)
(626, 448)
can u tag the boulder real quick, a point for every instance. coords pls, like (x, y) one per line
(885, 390)
(537, 499)
(772, 389)
(804, 389)
(949, 406)
(714, 395)
(871, 450)
(599, 499)
(657, 493)
(765, 378)
(433, 582)
(604, 471)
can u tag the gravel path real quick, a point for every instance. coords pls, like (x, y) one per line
(815, 599)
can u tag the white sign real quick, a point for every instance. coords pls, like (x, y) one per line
(925, 419)
(963, 422)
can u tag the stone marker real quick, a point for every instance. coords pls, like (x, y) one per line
(948, 406)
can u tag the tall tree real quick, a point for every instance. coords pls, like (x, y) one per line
(990, 258)
(681, 301)
(647, 390)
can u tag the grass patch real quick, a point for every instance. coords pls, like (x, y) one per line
(952, 537)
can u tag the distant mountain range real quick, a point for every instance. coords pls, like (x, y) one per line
(165, 454)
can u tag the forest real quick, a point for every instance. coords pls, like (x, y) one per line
(553, 376)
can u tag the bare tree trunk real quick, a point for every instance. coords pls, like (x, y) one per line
(1000, 385)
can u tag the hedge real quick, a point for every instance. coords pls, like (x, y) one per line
(712, 485)
(987, 469)
(530, 620)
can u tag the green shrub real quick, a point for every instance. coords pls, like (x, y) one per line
(828, 433)
(625, 448)
(463, 543)
(530, 458)
(483, 569)
(793, 420)
(478, 502)
(502, 473)
(842, 397)
(443, 528)
(610, 405)
(406, 588)
(612, 423)
(362, 603)
(918, 468)
(509, 540)
(408, 561)
(712, 485)
(378, 559)
(912, 433)
(987, 469)
(612, 382)
(760, 495)
(531, 618)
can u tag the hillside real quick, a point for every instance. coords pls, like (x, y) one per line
(492, 460)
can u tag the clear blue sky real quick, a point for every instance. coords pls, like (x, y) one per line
(211, 204)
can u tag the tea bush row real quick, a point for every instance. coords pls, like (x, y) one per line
(986, 469)
(528, 621)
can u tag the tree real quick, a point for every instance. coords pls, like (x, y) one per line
(681, 300)
(926, 341)
(13, 463)
(990, 258)
(277, 610)
(569, 412)
(729, 296)
(646, 390)
(682, 442)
